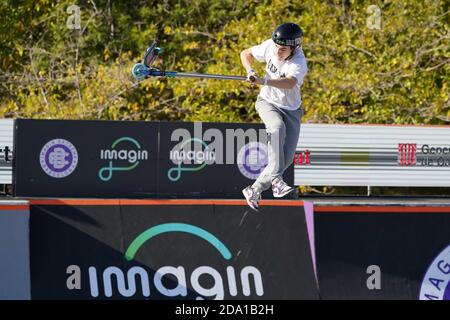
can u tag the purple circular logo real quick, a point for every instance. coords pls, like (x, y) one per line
(252, 159)
(436, 283)
(58, 158)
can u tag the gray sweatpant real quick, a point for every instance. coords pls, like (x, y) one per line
(283, 130)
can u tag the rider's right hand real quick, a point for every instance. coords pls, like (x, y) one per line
(251, 76)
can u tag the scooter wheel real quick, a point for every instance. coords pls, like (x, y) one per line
(140, 71)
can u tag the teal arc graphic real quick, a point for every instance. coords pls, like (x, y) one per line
(179, 168)
(175, 227)
(110, 168)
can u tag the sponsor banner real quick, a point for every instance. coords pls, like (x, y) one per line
(383, 252)
(436, 282)
(139, 159)
(212, 160)
(6, 150)
(86, 158)
(170, 249)
(375, 155)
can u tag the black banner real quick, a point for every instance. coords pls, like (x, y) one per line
(128, 159)
(60, 158)
(383, 255)
(178, 251)
(212, 160)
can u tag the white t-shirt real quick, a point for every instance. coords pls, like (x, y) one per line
(289, 99)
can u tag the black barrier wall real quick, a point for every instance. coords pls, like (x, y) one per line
(59, 158)
(179, 249)
(234, 155)
(383, 252)
(129, 159)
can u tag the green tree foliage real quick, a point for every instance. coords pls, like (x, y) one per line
(358, 73)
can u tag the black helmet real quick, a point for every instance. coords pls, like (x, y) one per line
(288, 34)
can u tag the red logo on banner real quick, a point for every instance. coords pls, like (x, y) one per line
(302, 158)
(407, 154)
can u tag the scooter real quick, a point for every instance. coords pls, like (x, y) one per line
(144, 69)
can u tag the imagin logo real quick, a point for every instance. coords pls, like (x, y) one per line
(131, 157)
(193, 160)
(436, 283)
(217, 291)
(252, 159)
